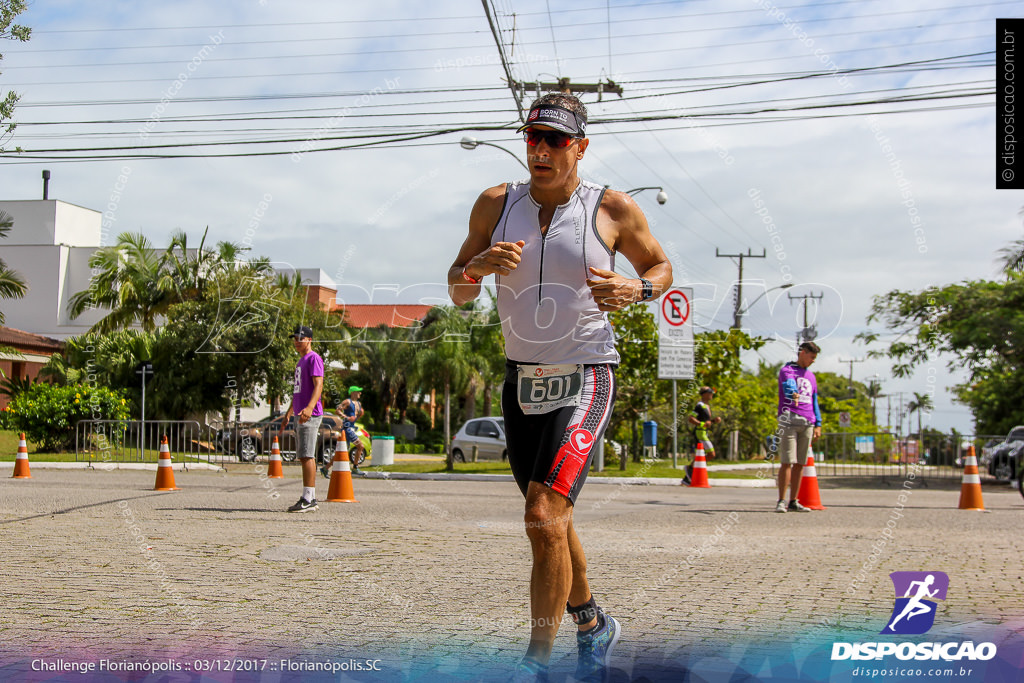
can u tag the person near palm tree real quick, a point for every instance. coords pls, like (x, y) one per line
(550, 242)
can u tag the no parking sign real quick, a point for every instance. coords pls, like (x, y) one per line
(675, 340)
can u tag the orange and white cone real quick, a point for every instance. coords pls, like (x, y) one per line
(21, 469)
(970, 489)
(340, 490)
(808, 495)
(164, 471)
(274, 469)
(699, 478)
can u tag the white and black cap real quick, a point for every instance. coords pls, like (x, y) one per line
(558, 118)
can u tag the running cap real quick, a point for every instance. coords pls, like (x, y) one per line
(707, 390)
(556, 117)
(354, 389)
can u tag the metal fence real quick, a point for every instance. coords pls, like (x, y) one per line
(888, 456)
(123, 441)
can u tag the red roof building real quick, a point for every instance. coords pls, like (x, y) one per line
(27, 354)
(391, 315)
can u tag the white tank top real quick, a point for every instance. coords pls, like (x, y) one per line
(547, 312)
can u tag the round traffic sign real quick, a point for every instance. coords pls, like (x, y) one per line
(675, 307)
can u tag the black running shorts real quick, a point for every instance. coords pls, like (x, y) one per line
(556, 448)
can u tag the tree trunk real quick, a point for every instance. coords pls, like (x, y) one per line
(470, 409)
(487, 399)
(447, 427)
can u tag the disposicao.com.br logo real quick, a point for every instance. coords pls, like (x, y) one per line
(913, 613)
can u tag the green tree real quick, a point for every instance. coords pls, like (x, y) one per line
(444, 360)
(920, 404)
(9, 9)
(1011, 257)
(387, 355)
(12, 285)
(131, 280)
(980, 323)
(636, 336)
(138, 283)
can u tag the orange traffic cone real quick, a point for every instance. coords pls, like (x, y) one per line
(274, 470)
(699, 478)
(164, 471)
(970, 489)
(340, 490)
(21, 470)
(808, 494)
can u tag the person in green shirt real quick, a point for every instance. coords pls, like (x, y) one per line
(702, 420)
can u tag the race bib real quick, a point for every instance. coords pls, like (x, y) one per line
(544, 388)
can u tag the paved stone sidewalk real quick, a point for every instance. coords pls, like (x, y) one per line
(96, 564)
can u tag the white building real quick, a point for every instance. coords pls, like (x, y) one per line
(50, 245)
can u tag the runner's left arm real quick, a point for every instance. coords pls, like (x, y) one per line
(619, 216)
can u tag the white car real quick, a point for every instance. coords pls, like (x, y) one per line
(487, 434)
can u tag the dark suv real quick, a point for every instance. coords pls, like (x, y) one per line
(1005, 459)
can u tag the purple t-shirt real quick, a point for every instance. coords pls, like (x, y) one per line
(309, 366)
(793, 378)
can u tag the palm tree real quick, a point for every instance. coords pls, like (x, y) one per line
(1011, 257)
(921, 402)
(139, 283)
(131, 280)
(874, 392)
(443, 360)
(12, 285)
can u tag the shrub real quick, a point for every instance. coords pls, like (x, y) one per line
(48, 413)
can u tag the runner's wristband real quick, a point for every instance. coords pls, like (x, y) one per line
(647, 290)
(466, 276)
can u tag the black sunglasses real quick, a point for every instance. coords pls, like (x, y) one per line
(554, 138)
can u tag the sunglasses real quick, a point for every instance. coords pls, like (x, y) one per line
(554, 138)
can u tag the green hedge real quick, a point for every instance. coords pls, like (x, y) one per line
(48, 413)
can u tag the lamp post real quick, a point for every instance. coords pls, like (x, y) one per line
(739, 313)
(469, 142)
(662, 197)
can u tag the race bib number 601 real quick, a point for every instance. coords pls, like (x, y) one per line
(544, 388)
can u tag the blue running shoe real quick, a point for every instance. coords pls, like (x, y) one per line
(530, 671)
(595, 649)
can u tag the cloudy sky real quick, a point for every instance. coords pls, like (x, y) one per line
(852, 141)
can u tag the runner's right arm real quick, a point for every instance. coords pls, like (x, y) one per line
(478, 258)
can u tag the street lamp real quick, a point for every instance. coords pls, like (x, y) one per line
(740, 313)
(661, 197)
(470, 142)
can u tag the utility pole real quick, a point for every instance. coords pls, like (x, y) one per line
(567, 87)
(851, 361)
(737, 316)
(809, 332)
(504, 60)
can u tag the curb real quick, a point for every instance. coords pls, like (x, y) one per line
(614, 481)
(177, 467)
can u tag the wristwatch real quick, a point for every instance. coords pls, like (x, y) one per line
(647, 290)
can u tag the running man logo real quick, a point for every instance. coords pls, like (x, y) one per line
(915, 606)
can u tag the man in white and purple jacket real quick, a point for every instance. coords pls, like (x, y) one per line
(799, 423)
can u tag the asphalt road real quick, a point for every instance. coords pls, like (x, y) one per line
(428, 580)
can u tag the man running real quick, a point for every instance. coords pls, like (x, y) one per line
(702, 421)
(550, 242)
(350, 410)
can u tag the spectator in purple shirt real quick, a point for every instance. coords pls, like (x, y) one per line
(799, 423)
(309, 412)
